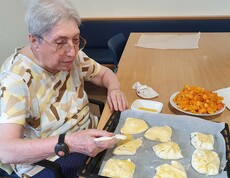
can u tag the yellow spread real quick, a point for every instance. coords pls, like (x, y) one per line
(147, 109)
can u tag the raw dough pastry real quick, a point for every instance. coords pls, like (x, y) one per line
(128, 148)
(156, 133)
(175, 170)
(168, 150)
(129, 137)
(118, 168)
(202, 141)
(134, 126)
(206, 162)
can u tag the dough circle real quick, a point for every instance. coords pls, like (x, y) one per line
(175, 170)
(128, 148)
(134, 126)
(157, 133)
(206, 162)
(118, 168)
(202, 141)
(168, 150)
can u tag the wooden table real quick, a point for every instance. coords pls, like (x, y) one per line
(167, 71)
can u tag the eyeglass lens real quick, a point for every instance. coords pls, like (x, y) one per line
(66, 46)
(82, 43)
(80, 46)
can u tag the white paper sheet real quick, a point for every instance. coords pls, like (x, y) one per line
(225, 92)
(174, 41)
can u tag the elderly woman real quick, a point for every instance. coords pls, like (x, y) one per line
(44, 108)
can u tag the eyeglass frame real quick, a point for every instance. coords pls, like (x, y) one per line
(66, 47)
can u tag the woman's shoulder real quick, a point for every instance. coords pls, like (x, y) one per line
(13, 67)
(13, 60)
(19, 61)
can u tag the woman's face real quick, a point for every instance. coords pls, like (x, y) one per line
(58, 49)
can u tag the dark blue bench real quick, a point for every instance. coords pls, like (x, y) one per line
(98, 32)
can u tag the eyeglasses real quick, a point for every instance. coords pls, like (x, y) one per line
(66, 47)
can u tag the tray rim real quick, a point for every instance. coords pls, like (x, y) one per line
(91, 168)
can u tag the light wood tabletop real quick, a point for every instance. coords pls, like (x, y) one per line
(167, 71)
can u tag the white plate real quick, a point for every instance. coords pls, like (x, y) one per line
(147, 106)
(186, 112)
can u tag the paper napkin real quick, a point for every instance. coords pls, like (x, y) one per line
(144, 91)
(225, 92)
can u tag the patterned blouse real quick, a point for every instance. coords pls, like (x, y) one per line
(46, 104)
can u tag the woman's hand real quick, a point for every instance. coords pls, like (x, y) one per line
(83, 141)
(115, 97)
(116, 100)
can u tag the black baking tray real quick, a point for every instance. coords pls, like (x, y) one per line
(226, 135)
(93, 164)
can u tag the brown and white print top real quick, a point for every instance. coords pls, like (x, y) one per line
(46, 104)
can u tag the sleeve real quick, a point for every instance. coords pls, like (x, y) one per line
(14, 95)
(90, 68)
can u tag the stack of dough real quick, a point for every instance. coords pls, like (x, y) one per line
(134, 126)
(175, 170)
(118, 168)
(161, 134)
(168, 150)
(128, 148)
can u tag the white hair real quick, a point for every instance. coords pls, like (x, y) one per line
(42, 15)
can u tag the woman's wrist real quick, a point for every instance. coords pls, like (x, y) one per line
(68, 142)
(113, 89)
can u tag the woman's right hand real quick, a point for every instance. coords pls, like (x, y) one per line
(83, 141)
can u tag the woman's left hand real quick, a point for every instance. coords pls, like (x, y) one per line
(116, 100)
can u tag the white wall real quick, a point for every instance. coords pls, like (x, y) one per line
(13, 32)
(12, 27)
(152, 8)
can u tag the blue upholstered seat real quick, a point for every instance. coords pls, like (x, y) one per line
(101, 55)
(117, 44)
(5, 175)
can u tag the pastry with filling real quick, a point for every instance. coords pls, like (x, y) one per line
(168, 150)
(202, 141)
(128, 148)
(118, 168)
(157, 133)
(175, 170)
(206, 162)
(134, 126)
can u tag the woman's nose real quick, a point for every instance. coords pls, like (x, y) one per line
(72, 50)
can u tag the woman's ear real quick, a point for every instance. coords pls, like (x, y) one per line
(34, 41)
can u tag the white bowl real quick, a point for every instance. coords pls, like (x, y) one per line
(147, 106)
